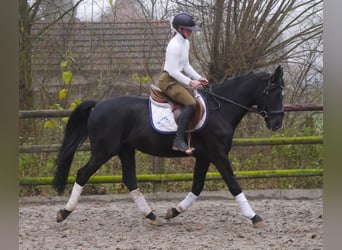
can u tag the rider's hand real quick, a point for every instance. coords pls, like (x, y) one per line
(203, 80)
(195, 84)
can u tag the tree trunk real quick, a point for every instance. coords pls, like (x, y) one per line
(25, 73)
(215, 72)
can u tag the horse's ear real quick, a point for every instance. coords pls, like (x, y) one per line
(278, 74)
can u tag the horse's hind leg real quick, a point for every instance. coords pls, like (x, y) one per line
(127, 157)
(83, 175)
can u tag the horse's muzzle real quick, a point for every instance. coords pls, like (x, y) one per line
(274, 122)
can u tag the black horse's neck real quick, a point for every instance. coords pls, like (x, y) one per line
(236, 96)
(243, 91)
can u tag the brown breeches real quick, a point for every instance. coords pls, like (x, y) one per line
(175, 90)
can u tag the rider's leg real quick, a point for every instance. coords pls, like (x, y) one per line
(179, 142)
(179, 94)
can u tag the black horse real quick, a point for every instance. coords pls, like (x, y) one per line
(121, 125)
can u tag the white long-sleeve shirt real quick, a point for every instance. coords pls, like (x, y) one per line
(177, 60)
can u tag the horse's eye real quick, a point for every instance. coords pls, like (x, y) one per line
(278, 91)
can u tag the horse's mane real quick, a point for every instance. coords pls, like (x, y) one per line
(233, 79)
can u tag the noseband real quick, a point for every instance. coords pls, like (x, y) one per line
(261, 112)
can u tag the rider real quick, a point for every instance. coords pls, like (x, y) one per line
(178, 75)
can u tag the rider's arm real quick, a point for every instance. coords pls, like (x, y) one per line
(177, 62)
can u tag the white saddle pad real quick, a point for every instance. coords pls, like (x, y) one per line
(162, 118)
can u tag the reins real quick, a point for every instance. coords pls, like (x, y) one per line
(250, 109)
(262, 112)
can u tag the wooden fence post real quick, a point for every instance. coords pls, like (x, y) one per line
(158, 168)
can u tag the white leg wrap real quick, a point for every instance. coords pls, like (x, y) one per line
(140, 201)
(75, 196)
(187, 202)
(244, 205)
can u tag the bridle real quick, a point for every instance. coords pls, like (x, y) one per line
(262, 112)
(270, 86)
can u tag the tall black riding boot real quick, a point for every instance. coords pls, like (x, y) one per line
(179, 142)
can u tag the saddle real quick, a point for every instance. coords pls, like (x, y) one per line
(158, 96)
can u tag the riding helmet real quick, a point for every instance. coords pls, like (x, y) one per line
(186, 21)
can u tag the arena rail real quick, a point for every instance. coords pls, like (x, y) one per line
(236, 142)
(158, 178)
(64, 113)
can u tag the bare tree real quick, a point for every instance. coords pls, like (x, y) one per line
(154, 9)
(240, 36)
(52, 10)
(29, 13)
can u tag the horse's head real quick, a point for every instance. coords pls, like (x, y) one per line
(271, 103)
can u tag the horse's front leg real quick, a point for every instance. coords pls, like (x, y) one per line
(127, 157)
(223, 165)
(201, 168)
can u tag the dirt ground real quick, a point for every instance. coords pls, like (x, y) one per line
(292, 221)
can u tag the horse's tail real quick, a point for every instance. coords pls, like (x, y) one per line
(76, 132)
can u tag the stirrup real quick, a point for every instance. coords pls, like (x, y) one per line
(183, 147)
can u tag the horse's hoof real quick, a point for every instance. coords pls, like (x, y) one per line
(171, 213)
(157, 222)
(62, 215)
(257, 221)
